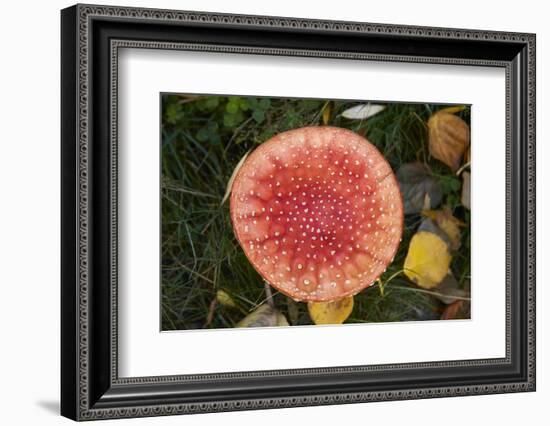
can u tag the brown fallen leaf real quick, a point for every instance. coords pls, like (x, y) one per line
(334, 312)
(418, 189)
(452, 310)
(449, 136)
(453, 109)
(465, 197)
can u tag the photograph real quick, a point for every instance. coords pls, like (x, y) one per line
(266, 209)
(283, 212)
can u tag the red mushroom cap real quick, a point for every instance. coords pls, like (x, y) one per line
(318, 212)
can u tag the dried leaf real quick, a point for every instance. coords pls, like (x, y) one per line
(232, 178)
(449, 136)
(225, 299)
(363, 111)
(264, 316)
(334, 312)
(327, 111)
(452, 310)
(427, 260)
(418, 189)
(448, 290)
(448, 224)
(465, 198)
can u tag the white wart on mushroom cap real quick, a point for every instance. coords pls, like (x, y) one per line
(318, 212)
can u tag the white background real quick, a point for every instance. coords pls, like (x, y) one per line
(143, 351)
(29, 229)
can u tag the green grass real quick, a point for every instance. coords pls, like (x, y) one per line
(203, 138)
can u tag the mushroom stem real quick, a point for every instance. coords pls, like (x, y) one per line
(268, 295)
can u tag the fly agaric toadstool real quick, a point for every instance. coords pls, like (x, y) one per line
(318, 212)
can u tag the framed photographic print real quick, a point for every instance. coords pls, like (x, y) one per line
(263, 212)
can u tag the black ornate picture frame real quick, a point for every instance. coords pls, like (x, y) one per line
(91, 36)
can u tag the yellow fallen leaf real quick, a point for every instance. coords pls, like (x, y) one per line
(448, 224)
(449, 136)
(428, 259)
(334, 312)
(225, 299)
